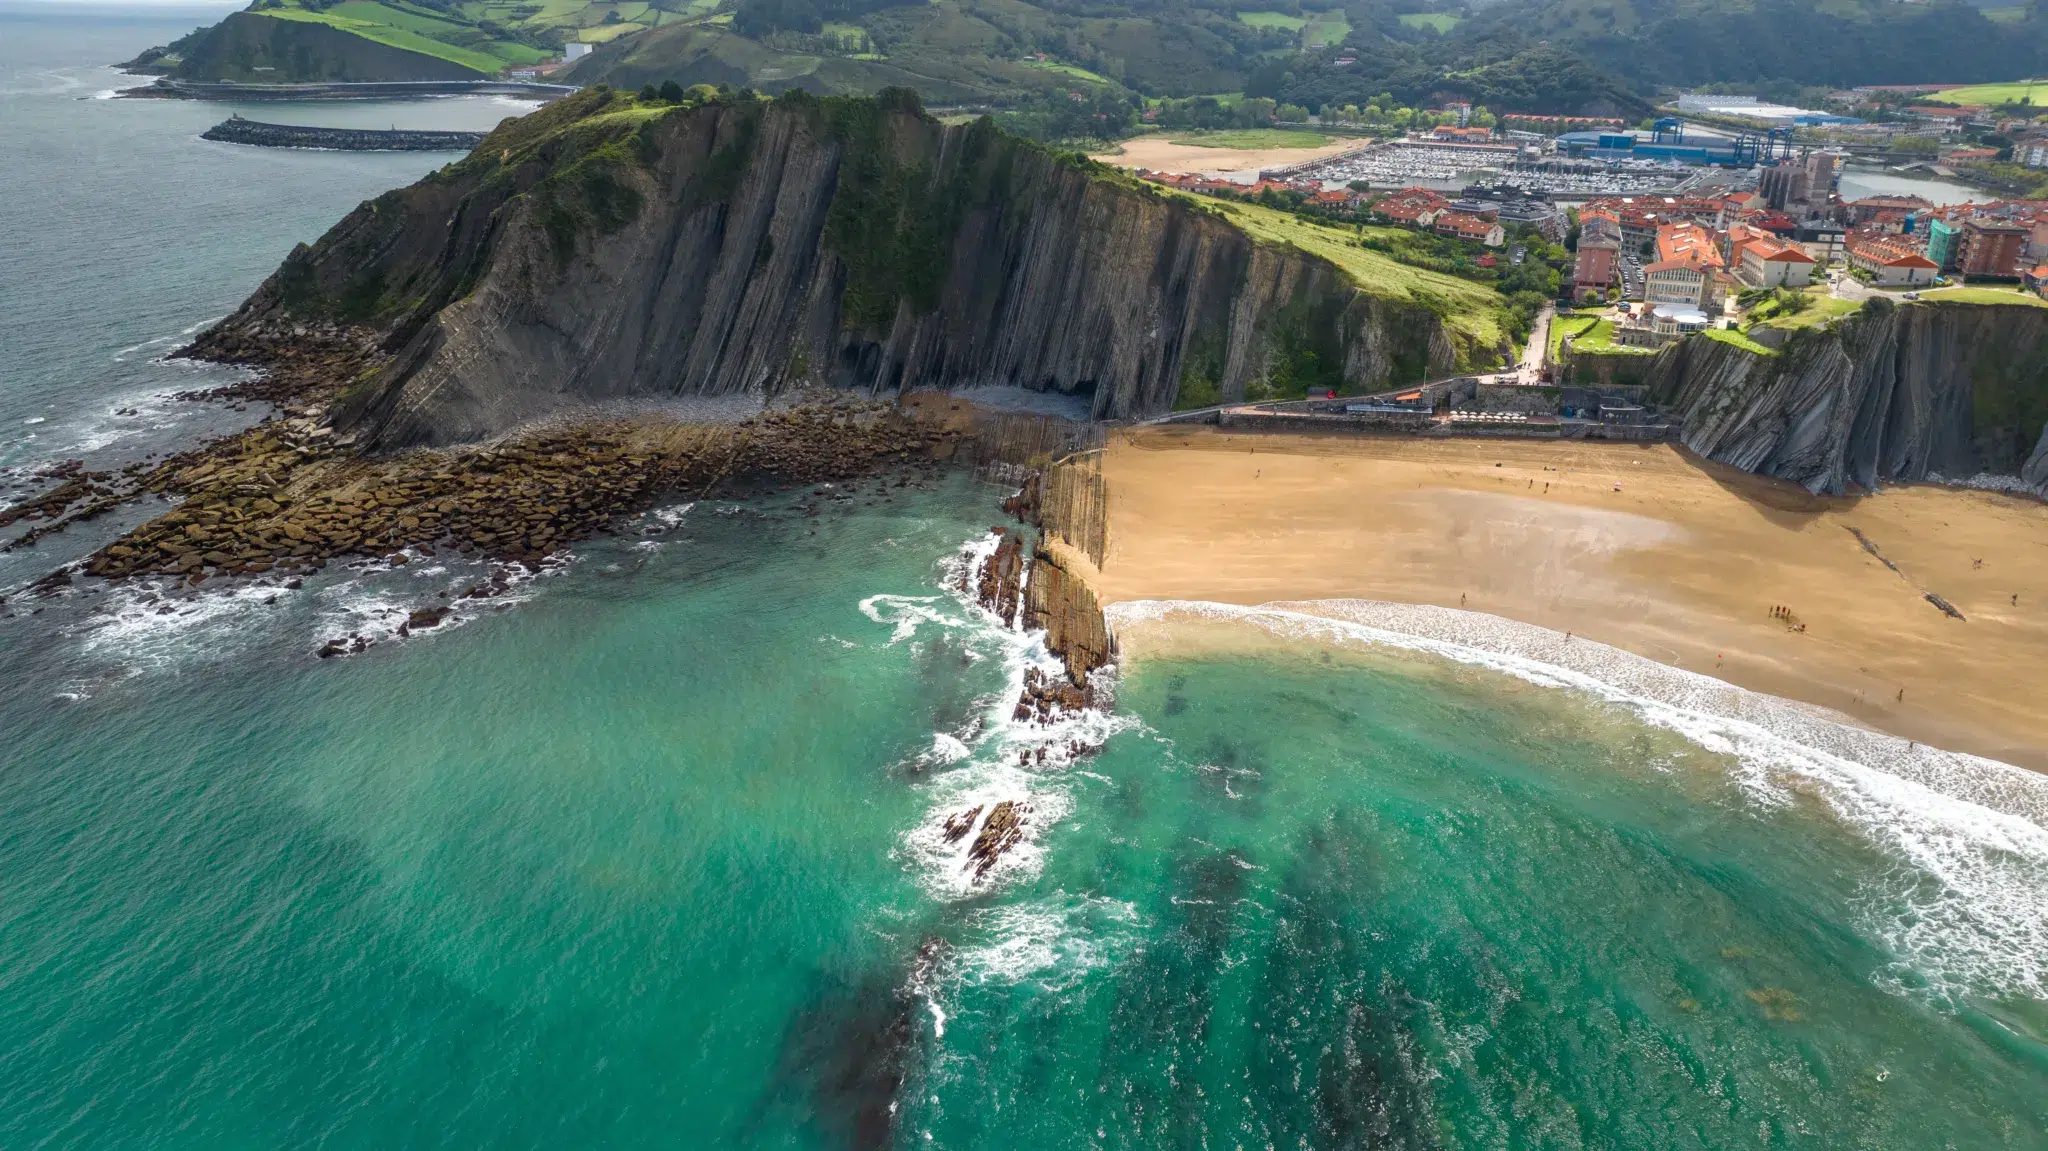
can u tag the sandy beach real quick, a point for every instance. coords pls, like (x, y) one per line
(1163, 155)
(1684, 563)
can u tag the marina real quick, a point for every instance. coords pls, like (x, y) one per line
(1416, 163)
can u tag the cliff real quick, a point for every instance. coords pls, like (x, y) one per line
(1895, 392)
(604, 248)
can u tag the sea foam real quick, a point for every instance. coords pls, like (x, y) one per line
(994, 757)
(1968, 911)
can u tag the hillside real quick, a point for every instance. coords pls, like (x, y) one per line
(277, 41)
(607, 246)
(1808, 42)
(1587, 57)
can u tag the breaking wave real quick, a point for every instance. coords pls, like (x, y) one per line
(1966, 913)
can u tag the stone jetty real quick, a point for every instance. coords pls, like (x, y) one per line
(236, 130)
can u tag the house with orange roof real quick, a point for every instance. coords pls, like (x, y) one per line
(1763, 260)
(1417, 207)
(1689, 271)
(1891, 261)
(1464, 226)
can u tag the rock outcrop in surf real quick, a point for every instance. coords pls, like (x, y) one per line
(1894, 393)
(604, 248)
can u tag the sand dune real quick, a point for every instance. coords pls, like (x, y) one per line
(1683, 564)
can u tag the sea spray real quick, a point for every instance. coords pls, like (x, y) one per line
(998, 758)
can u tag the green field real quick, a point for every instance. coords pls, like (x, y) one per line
(1077, 72)
(1739, 340)
(1328, 29)
(1824, 307)
(1598, 338)
(1469, 309)
(1984, 296)
(2034, 91)
(2011, 15)
(1254, 138)
(1441, 21)
(411, 31)
(1272, 20)
(1563, 326)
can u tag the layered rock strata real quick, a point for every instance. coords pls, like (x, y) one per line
(1896, 392)
(282, 496)
(599, 248)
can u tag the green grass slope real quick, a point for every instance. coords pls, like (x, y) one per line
(253, 48)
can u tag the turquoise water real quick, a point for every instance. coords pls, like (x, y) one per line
(647, 853)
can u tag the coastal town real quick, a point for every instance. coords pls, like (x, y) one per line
(1752, 231)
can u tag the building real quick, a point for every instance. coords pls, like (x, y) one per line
(1659, 324)
(1465, 226)
(1821, 169)
(2031, 151)
(1824, 242)
(1688, 268)
(574, 51)
(1941, 243)
(1462, 135)
(1735, 205)
(1417, 207)
(1676, 282)
(1865, 210)
(1541, 215)
(1599, 249)
(1969, 155)
(1784, 185)
(1688, 242)
(1891, 261)
(1989, 248)
(1765, 261)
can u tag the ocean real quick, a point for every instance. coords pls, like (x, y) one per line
(648, 852)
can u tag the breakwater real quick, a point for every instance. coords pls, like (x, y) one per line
(236, 130)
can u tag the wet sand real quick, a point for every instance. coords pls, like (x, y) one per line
(1161, 154)
(1684, 564)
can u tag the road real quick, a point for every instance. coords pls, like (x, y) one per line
(1851, 288)
(1534, 355)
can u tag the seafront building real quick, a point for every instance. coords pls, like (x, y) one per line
(1891, 261)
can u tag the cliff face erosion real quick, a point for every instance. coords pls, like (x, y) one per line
(601, 248)
(1895, 392)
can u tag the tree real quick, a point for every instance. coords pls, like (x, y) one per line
(671, 91)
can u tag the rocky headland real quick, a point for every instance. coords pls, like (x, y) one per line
(603, 247)
(1893, 393)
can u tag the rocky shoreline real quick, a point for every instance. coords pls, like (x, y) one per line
(292, 493)
(281, 500)
(1025, 586)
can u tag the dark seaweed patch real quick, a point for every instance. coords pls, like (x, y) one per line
(853, 1050)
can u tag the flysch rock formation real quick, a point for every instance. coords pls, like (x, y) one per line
(599, 248)
(1893, 393)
